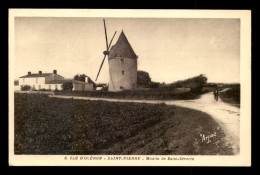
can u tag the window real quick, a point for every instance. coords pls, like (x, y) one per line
(49, 86)
(33, 86)
(56, 87)
(36, 80)
(121, 87)
(123, 72)
(39, 87)
(122, 59)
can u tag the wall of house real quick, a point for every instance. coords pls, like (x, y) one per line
(54, 87)
(82, 86)
(45, 86)
(36, 82)
(118, 80)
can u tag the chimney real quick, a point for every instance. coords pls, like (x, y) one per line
(29, 73)
(54, 71)
(40, 72)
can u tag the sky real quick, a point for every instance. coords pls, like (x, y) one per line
(169, 49)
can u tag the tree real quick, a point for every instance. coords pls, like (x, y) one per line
(143, 78)
(154, 85)
(81, 77)
(67, 86)
(196, 83)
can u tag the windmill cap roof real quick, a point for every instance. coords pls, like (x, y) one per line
(122, 48)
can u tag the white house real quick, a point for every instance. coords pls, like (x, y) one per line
(48, 81)
(53, 81)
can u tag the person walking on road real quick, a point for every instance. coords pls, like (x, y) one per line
(215, 93)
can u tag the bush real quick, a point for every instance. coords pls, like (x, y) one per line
(154, 85)
(26, 88)
(152, 94)
(143, 78)
(43, 89)
(67, 86)
(195, 83)
(232, 95)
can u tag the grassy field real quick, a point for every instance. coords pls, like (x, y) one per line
(45, 125)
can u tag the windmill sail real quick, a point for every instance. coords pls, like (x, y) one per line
(107, 51)
(105, 33)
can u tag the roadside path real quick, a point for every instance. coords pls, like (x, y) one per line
(226, 115)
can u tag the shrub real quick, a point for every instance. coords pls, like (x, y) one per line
(143, 78)
(231, 95)
(43, 89)
(25, 88)
(154, 85)
(195, 83)
(67, 86)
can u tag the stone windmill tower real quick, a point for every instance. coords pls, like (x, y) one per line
(122, 62)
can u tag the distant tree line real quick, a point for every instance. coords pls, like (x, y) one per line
(195, 83)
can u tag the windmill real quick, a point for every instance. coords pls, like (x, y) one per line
(122, 62)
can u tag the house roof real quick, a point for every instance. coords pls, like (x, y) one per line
(58, 81)
(90, 80)
(36, 75)
(122, 48)
(66, 80)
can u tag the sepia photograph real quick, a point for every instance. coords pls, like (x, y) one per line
(96, 87)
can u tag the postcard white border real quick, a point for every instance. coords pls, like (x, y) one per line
(243, 159)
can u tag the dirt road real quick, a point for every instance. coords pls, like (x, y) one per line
(226, 115)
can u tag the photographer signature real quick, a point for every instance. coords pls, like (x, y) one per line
(208, 138)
